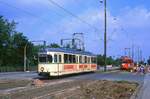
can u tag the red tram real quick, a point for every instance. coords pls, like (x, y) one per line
(127, 63)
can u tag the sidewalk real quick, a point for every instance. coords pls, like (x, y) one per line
(145, 90)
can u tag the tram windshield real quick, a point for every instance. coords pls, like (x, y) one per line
(42, 59)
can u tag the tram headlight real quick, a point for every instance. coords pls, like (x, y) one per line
(42, 69)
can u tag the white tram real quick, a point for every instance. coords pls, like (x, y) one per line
(61, 61)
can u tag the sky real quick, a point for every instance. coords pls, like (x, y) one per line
(128, 22)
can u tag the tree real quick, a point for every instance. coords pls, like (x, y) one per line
(110, 61)
(19, 48)
(117, 62)
(12, 44)
(54, 45)
(6, 32)
(100, 60)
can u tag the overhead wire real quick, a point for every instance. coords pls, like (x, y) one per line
(46, 21)
(73, 15)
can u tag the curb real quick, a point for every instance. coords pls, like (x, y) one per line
(137, 91)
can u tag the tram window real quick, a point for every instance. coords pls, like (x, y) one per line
(42, 59)
(55, 58)
(92, 59)
(74, 59)
(85, 59)
(77, 59)
(66, 58)
(80, 59)
(88, 59)
(60, 59)
(49, 58)
(95, 60)
(70, 59)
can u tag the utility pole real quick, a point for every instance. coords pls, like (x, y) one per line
(128, 52)
(105, 35)
(25, 52)
(133, 51)
(138, 54)
(25, 57)
(125, 52)
(141, 57)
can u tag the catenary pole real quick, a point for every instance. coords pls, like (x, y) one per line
(105, 35)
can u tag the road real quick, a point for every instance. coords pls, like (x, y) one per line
(144, 92)
(18, 75)
(114, 75)
(32, 74)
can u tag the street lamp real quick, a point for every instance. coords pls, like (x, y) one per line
(25, 52)
(105, 33)
(25, 57)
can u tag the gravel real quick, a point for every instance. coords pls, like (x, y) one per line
(71, 89)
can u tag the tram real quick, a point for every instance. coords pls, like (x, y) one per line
(63, 61)
(127, 63)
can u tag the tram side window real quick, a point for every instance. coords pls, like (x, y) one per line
(70, 59)
(65, 58)
(93, 59)
(55, 58)
(80, 59)
(60, 61)
(85, 59)
(88, 59)
(49, 58)
(77, 61)
(74, 59)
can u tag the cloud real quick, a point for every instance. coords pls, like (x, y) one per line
(130, 26)
(93, 17)
(136, 25)
(137, 17)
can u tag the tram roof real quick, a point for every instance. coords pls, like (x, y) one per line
(67, 50)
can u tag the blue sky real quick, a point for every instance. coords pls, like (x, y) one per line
(128, 22)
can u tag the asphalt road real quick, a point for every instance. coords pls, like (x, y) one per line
(18, 75)
(117, 75)
(113, 75)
